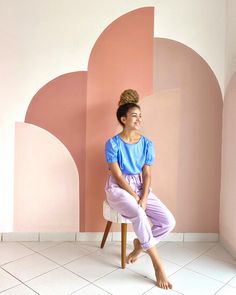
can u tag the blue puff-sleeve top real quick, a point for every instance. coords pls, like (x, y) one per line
(130, 157)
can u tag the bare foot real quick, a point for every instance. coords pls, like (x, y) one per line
(133, 256)
(162, 281)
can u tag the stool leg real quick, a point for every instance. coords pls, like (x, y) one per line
(123, 244)
(107, 229)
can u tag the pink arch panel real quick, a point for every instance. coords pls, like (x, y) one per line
(121, 58)
(228, 184)
(60, 108)
(177, 66)
(46, 187)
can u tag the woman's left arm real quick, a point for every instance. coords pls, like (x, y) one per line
(146, 176)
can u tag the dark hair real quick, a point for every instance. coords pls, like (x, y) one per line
(128, 99)
(123, 110)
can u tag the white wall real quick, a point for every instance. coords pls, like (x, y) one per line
(198, 24)
(42, 39)
(230, 52)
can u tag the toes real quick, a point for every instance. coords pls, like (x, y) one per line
(164, 285)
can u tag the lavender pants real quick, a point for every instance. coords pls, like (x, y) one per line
(161, 219)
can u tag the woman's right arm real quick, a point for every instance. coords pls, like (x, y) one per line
(117, 174)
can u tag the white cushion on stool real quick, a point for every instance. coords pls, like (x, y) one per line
(112, 215)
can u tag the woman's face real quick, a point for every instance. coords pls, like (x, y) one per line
(133, 119)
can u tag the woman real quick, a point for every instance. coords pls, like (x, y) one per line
(130, 156)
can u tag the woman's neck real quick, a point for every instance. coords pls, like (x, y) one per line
(130, 136)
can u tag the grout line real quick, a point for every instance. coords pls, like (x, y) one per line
(76, 275)
(102, 289)
(161, 289)
(12, 261)
(41, 274)
(16, 259)
(226, 284)
(220, 289)
(90, 285)
(94, 282)
(26, 246)
(19, 281)
(184, 267)
(40, 253)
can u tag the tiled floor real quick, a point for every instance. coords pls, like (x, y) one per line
(82, 268)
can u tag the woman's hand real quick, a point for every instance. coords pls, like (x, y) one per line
(137, 198)
(143, 203)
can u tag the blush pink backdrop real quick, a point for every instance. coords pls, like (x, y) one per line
(182, 113)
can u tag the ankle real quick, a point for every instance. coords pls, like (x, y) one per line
(158, 269)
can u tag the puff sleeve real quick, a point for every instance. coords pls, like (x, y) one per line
(111, 151)
(150, 154)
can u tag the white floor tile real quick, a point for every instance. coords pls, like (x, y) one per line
(90, 290)
(227, 290)
(158, 291)
(191, 283)
(19, 290)
(144, 267)
(90, 246)
(219, 252)
(232, 283)
(177, 253)
(92, 267)
(124, 281)
(65, 252)
(40, 246)
(7, 281)
(192, 267)
(10, 251)
(216, 269)
(160, 244)
(57, 282)
(198, 247)
(29, 267)
(113, 250)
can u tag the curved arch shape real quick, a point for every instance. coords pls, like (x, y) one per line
(199, 124)
(186, 53)
(46, 190)
(121, 58)
(60, 107)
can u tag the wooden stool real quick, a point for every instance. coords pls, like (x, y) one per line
(113, 216)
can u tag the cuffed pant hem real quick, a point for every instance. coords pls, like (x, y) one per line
(149, 245)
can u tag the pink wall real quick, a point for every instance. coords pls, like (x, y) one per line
(199, 152)
(182, 115)
(60, 108)
(228, 184)
(121, 58)
(161, 123)
(46, 183)
(81, 113)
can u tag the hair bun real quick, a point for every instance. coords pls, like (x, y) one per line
(128, 96)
